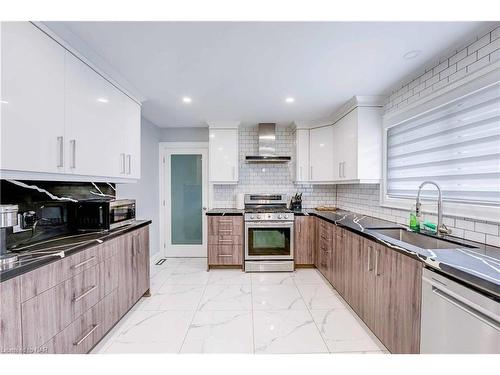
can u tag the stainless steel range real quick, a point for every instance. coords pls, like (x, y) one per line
(268, 233)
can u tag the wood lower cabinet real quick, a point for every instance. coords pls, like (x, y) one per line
(304, 240)
(225, 241)
(133, 268)
(10, 316)
(382, 285)
(339, 259)
(325, 248)
(71, 311)
(397, 301)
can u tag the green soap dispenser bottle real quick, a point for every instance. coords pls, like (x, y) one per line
(414, 220)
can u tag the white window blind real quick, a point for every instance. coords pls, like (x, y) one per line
(456, 145)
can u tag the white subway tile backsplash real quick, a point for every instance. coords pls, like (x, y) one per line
(440, 67)
(457, 232)
(445, 73)
(464, 224)
(487, 228)
(467, 61)
(494, 56)
(478, 64)
(458, 56)
(475, 236)
(479, 44)
(431, 81)
(447, 70)
(489, 48)
(459, 74)
(495, 34)
(493, 240)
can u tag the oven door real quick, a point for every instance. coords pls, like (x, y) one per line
(268, 241)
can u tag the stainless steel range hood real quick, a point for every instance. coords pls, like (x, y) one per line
(267, 146)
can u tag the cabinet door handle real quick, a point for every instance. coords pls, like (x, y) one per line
(83, 263)
(87, 292)
(94, 327)
(129, 163)
(60, 145)
(224, 255)
(300, 173)
(72, 144)
(311, 172)
(377, 256)
(225, 221)
(226, 241)
(234, 173)
(339, 170)
(343, 169)
(226, 230)
(122, 163)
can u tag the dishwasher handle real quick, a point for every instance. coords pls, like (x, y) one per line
(467, 306)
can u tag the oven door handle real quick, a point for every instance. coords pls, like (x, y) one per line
(264, 224)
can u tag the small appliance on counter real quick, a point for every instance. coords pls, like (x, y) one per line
(8, 219)
(101, 214)
(296, 202)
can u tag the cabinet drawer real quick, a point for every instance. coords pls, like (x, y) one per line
(225, 225)
(35, 282)
(225, 239)
(50, 312)
(86, 331)
(225, 254)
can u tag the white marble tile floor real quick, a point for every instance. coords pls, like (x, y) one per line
(229, 311)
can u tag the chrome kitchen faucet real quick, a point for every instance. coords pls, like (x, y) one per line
(442, 230)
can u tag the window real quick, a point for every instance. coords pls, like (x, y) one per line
(456, 145)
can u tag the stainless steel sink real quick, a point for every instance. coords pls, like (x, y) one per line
(419, 240)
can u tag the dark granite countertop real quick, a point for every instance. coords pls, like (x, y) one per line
(225, 212)
(60, 247)
(478, 266)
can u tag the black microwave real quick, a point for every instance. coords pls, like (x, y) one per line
(94, 215)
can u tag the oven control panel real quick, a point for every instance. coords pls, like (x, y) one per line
(269, 216)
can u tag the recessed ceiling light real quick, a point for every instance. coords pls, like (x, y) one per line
(4, 101)
(102, 100)
(186, 99)
(412, 54)
(289, 99)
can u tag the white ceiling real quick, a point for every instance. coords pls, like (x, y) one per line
(244, 70)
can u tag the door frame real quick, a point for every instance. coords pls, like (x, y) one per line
(164, 218)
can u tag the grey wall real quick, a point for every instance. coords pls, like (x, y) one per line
(146, 190)
(184, 135)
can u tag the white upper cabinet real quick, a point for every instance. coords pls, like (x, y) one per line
(302, 155)
(92, 131)
(60, 118)
(32, 100)
(101, 125)
(129, 132)
(321, 150)
(358, 146)
(224, 156)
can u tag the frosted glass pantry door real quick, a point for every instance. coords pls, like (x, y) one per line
(185, 172)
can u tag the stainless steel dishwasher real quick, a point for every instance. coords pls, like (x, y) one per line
(457, 319)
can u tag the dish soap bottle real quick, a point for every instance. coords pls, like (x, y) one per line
(414, 220)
